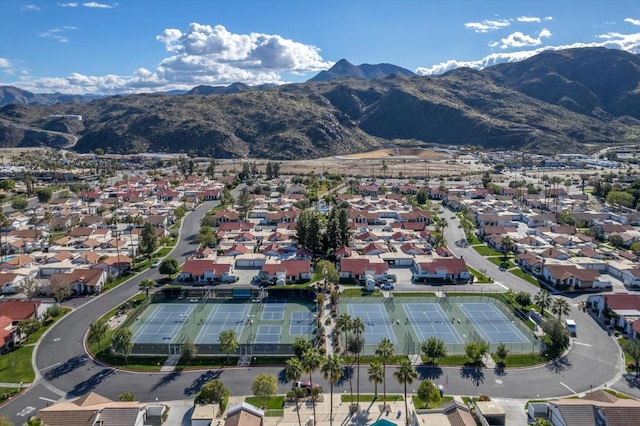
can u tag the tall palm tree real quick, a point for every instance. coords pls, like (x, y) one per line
(332, 370)
(560, 307)
(405, 374)
(376, 375)
(384, 350)
(358, 329)
(344, 324)
(543, 300)
(292, 372)
(311, 361)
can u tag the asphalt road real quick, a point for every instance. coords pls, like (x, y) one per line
(66, 371)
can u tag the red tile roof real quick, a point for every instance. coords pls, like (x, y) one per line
(19, 310)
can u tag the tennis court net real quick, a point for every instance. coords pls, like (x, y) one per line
(163, 322)
(489, 321)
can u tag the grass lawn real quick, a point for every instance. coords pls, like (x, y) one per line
(15, 367)
(499, 262)
(419, 403)
(358, 292)
(521, 274)
(486, 251)
(274, 405)
(473, 239)
(369, 397)
(480, 278)
(413, 294)
(452, 360)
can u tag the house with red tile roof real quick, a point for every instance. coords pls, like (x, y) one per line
(441, 270)
(8, 338)
(19, 310)
(357, 268)
(294, 271)
(82, 280)
(572, 276)
(206, 271)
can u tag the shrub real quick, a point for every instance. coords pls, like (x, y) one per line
(484, 398)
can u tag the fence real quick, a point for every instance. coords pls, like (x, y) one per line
(262, 349)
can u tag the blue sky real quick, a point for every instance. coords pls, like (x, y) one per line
(155, 45)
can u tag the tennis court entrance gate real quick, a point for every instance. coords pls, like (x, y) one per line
(175, 349)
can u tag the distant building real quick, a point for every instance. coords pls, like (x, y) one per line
(76, 117)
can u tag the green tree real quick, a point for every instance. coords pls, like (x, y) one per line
(328, 271)
(206, 236)
(542, 422)
(227, 199)
(560, 307)
(556, 337)
(375, 375)
(4, 421)
(189, 349)
(146, 285)
(475, 351)
(543, 300)
(405, 374)
(44, 194)
(169, 266)
(98, 331)
(211, 169)
(29, 326)
(245, 203)
(228, 342)
(311, 361)
(429, 393)
(126, 396)
(148, 240)
(292, 372)
(632, 348)
(523, 299)
(620, 199)
(502, 352)
(180, 212)
(332, 370)
(122, 342)
(264, 386)
(301, 345)
(434, 348)
(29, 287)
(421, 197)
(343, 325)
(212, 392)
(19, 203)
(385, 351)
(635, 247)
(8, 184)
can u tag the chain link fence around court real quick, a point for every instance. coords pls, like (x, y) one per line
(407, 329)
(297, 316)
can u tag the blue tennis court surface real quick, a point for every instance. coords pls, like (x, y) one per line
(221, 318)
(163, 324)
(491, 323)
(429, 320)
(268, 334)
(273, 310)
(302, 323)
(376, 321)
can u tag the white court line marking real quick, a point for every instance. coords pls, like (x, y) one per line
(582, 344)
(501, 285)
(51, 366)
(47, 399)
(572, 391)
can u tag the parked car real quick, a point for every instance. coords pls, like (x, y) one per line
(387, 286)
(155, 264)
(308, 386)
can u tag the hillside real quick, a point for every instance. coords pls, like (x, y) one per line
(553, 102)
(344, 68)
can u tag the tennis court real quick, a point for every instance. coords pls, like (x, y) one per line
(376, 321)
(302, 323)
(273, 310)
(428, 319)
(268, 334)
(221, 318)
(162, 324)
(492, 324)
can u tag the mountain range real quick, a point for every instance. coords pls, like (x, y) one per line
(556, 101)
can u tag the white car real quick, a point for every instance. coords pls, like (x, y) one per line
(155, 264)
(386, 286)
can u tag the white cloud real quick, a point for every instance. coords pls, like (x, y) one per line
(493, 44)
(30, 7)
(528, 19)
(201, 54)
(519, 39)
(628, 42)
(544, 33)
(632, 21)
(487, 25)
(68, 4)
(5, 63)
(57, 33)
(548, 18)
(95, 5)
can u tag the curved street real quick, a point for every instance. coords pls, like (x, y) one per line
(64, 370)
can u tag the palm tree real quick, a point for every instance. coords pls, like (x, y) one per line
(405, 374)
(376, 375)
(332, 370)
(506, 244)
(311, 361)
(292, 372)
(384, 350)
(358, 329)
(543, 300)
(343, 325)
(560, 307)
(147, 284)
